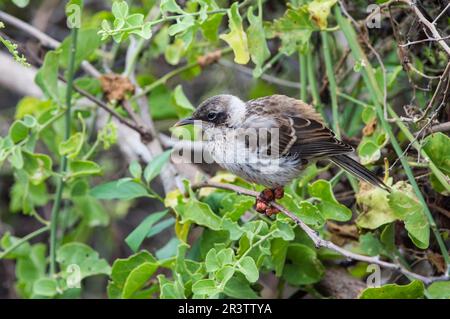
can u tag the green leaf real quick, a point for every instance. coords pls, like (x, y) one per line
(199, 213)
(122, 268)
(47, 76)
(206, 287)
(169, 249)
(161, 226)
(238, 287)
(18, 131)
(16, 158)
(437, 147)
(81, 168)
(233, 205)
(29, 269)
(155, 166)
(328, 206)
(77, 256)
(182, 25)
(439, 290)
(370, 245)
(135, 170)
(295, 29)
(374, 208)
(236, 38)
(137, 236)
(210, 27)
(72, 147)
(92, 210)
(168, 6)
(183, 107)
(120, 9)
(257, 44)
(37, 166)
(88, 41)
(407, 208)
(306, 211)
(175, 51)
(120, 189)
(369, 152)
(21, 251)
(283, 230)
(304, 267)
(414, 290)
(45, 287)
(224, 275)
(137, 278)
(278, 250)
(247, 267)
(170, 290)
(319, 11)
(25, 196)
(211, 262)
(21, 3)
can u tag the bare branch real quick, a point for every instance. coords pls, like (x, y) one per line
(319, 242)
(430, 26)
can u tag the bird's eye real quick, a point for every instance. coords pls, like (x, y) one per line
(212, 116)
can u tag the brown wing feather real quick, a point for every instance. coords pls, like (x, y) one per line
(302, 131)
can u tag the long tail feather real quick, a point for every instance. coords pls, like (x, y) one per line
(358, 170)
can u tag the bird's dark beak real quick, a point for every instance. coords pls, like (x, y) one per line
(185, 121)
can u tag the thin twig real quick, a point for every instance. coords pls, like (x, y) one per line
(423, 40)
(266, 77)
(23, 240)
(320, 242)
(105, 107)
(430, 25)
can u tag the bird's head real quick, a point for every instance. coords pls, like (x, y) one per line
(218, 111)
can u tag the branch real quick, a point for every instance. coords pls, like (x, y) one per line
(63, 163)
(23, 240)
(14, 76)
(430, 26)
(266, 77)
(443, 127)
(319, 242)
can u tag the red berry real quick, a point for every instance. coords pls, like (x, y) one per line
(271, 211)
(278, 192)
(261, 206)
(267, 195)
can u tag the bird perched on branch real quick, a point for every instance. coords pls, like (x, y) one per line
(270, 140)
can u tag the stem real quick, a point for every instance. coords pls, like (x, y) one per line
(23, 240)
(352, 99)
(271, 62)
(303, 77)
(60, 184)
(169, 75)
(313, 81)
(441, 177)
(332, 82)
(377, 96)
(164, 79)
